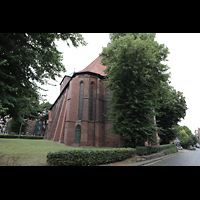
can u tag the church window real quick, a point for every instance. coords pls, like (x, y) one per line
(91, 100)
(80, 108)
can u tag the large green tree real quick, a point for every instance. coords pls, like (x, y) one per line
(25, 60)
(135, 74)
(172, 109)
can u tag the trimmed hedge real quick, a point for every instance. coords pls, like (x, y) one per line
(89, 157)
(140, 150)
(21, 136)
(170, 150)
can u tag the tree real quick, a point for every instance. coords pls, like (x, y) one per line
(14, 126)
(178, 128)
(182, 136)
(44, 113)
(185, 136)
(187, 130)
(191, 140)
(135, 73)
(25, 60)
(173, 109)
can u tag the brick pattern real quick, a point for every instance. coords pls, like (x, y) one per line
(63, 117)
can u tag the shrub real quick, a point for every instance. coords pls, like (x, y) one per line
(191, 148)
(145, 150)
(21, 136)
(170, 150)
(89, 157)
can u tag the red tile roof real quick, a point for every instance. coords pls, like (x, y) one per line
(95, 67)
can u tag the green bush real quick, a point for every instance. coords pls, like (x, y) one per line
(170, 150)
(145, 150)
(21, 136)
(191, 148)
(89, 157)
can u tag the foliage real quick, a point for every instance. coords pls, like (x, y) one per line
(141, 150)
(185, 136)
(135, 75)
(191, 140)
(170, 150)
(89, 157)
(173, 109)
(43, 113)
(25, 60)
(178, 128)
(14, 126)
(182, 135)
(38, 111)
(191, 148)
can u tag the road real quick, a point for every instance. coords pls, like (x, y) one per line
(182, 158)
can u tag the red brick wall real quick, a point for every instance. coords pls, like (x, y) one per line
(64, 116)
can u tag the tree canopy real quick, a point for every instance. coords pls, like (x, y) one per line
(172, 110)
(25, 60)
(136, 76)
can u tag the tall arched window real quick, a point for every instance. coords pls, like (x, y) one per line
(91, 101)
(80, 107)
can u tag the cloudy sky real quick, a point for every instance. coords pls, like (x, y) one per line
(183, 60)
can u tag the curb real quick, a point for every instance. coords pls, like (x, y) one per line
(152, 160)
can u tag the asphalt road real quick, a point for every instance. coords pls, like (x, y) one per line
(182, 158)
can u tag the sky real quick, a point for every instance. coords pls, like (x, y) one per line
(183, 60)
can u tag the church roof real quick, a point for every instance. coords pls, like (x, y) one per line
(95, 67)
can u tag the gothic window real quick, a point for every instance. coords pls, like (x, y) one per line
(91, 100)
(80, 107)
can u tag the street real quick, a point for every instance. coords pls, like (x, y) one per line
(182, 158)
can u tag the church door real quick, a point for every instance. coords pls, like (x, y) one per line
(78, 134)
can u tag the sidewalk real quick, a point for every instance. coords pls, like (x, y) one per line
(152, 160)
(140, 160)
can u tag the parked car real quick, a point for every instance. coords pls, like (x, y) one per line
(197, 145)
(179, 147)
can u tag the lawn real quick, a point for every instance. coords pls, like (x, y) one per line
(27, 152)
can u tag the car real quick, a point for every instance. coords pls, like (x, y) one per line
(197, 145)
(179, 147)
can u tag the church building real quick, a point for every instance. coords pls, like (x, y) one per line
(77, 117)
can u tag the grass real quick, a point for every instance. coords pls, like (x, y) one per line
(20, 152)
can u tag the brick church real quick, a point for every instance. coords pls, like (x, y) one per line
(77, 117)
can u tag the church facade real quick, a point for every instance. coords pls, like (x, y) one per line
(78, 116)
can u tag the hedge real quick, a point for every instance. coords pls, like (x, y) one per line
(21, 136)
(170, 150)
(141, 150)
(89, 157)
